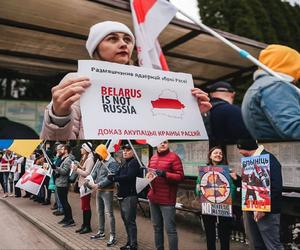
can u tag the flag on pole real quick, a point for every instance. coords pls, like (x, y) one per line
(114, 145)
(32, 180)
(150, 17)
(20, 147)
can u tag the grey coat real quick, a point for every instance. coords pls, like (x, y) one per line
(101, 171)
(63, 172)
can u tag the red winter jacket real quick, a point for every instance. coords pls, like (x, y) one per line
(164, 189)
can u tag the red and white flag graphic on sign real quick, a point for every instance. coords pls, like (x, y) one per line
(32, 180)
(150, 17)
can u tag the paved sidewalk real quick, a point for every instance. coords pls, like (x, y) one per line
(42, 217)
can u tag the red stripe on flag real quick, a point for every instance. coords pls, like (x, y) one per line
(163, 62)
(166, 103)
(141, 141)
(141, 8)
(37, 178)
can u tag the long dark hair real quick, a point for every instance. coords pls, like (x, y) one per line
(209, 161)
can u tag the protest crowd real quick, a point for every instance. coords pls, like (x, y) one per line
(56, 169)
(244, 207)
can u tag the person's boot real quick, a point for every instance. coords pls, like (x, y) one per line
(79, 230)
(83, 224)
(87, 222)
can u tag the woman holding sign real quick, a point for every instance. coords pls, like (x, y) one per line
(84, 169)
(215, 157)
(107, 41)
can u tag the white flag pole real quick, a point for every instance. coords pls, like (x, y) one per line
(136, 156)
(243, 53)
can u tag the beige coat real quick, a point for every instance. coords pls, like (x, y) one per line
(86, 169)
(72, 128)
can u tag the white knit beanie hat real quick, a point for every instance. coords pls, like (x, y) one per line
(87, 146)
(100, 30)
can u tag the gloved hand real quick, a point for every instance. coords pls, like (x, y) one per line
(111, 177)
(160, 173)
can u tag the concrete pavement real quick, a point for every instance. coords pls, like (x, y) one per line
(42, 217)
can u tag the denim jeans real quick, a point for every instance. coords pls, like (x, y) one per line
(128, 213)
(59, 206)
(5, 182)
(264, 234)
(105, 207)
(162, 215)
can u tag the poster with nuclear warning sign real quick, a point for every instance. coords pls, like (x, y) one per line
(215, 191)
(131, 102)
(256, 184)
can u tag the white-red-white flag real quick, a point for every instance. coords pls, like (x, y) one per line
(114, 145)
(32, 180)
(150, 17)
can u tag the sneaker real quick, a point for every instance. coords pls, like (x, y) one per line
(45, 203)
(112, 241)
(11, 195)
(70, 223)
(5, 195)
(98, 236)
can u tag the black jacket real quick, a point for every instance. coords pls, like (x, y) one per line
(127, 178)
(226, 122)
(276, 183)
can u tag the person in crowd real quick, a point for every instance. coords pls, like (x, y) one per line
(127, 196)
(14, 130)
(40, 160)
(224, 123)
(7, 160)
(62, 185)
(84, 169)
(216, 157)
(262, 228)
(107, 41)
(162, 196)
(23, 166)
(57, 161)
(48, 193)
(105, 165)
(17, 176)
(271, 102)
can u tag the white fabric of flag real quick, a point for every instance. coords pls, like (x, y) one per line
(150, 17)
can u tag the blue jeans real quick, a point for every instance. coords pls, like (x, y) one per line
(59, 205)
(105, 205)
(161, 216)
(264, 234)
(5, 182)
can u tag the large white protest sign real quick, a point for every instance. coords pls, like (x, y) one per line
(32, 180)
(130, 102)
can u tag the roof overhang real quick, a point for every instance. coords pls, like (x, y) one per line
(46, 38)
